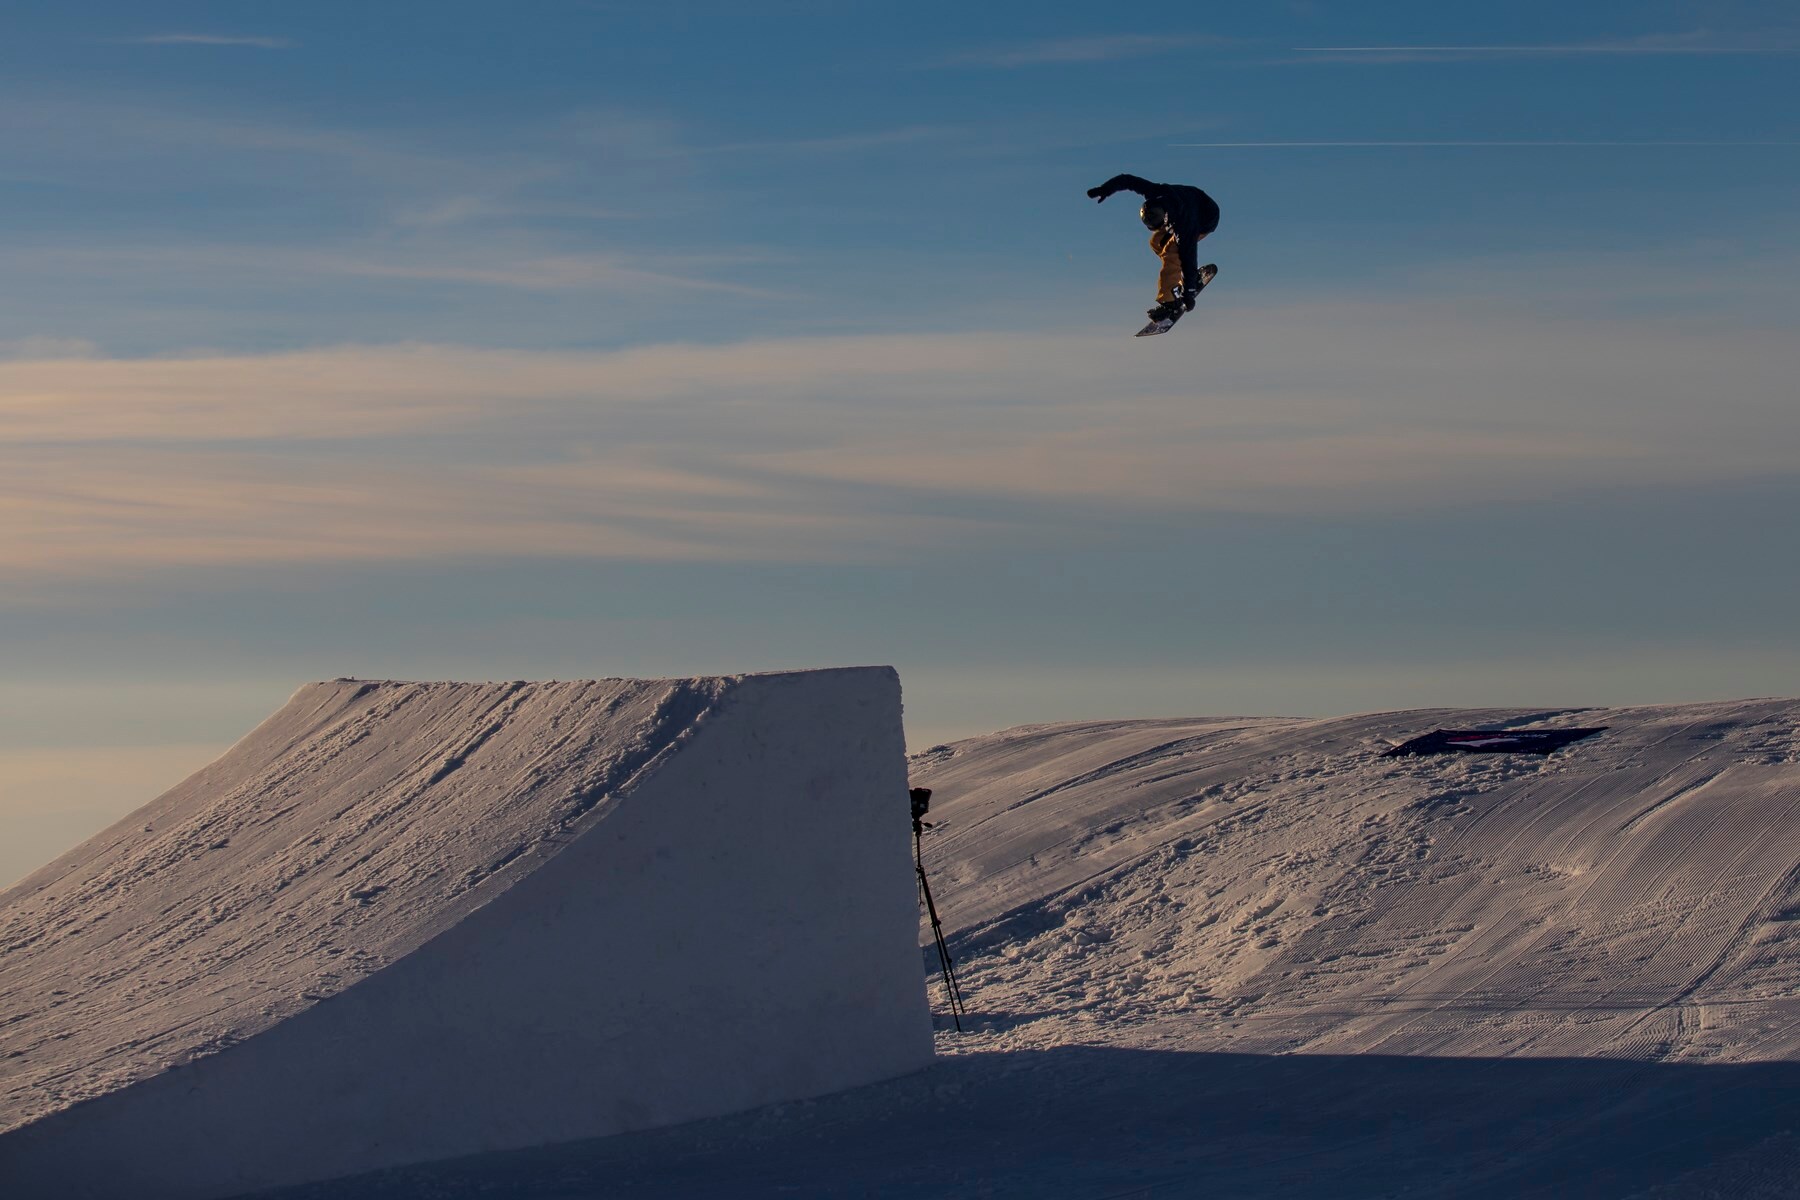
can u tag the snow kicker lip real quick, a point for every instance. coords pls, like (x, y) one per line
(1492, 741)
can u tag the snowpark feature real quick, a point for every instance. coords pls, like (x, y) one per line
(1252, 957)
(1491, 741)
(401, 922)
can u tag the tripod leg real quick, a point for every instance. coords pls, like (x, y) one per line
(952, 989)
(951, 986)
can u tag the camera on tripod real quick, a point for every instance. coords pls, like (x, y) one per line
(921, 804)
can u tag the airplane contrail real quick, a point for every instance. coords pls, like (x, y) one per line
(1566, 49)
(1384, 144)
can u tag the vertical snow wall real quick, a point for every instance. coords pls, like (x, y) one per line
(400, 922)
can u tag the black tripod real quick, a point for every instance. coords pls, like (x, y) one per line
(921, 801)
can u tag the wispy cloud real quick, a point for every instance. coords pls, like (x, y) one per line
(480, 209)
(1098, 48)
(856, 447)
(83, 136)
(214, 39)
(1693, 44)
(48, 348)
(565, 170)
(511, 268)
(536, 199)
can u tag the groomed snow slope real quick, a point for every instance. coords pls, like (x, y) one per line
(407, 921)
(1253, 958)
(1275, 886)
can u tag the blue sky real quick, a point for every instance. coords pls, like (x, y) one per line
(568, 339)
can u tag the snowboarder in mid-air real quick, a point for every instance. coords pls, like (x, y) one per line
(1178, 217)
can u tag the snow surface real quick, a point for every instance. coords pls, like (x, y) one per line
(399, 922)
(1250, 957)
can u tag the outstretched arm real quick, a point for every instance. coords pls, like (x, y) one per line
(1122, 183)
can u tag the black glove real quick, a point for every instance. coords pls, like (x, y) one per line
(1097, 194)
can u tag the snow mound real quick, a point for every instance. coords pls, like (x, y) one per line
(404, 921)
(1251, 957)
(1270, 886)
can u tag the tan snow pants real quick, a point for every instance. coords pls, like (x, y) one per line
(1168, 248)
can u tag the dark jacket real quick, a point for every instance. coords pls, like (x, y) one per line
(1192, 213)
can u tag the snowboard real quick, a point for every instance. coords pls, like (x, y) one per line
(1167, 323)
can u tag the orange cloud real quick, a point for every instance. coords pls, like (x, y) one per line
(819, 448)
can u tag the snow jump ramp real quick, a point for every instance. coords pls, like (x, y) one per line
(406, 921)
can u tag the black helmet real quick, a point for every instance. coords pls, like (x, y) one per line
(1153, 214)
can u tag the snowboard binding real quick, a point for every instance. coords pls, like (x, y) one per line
(1164, 316)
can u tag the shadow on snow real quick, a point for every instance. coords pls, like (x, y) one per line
(1089, 1122)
